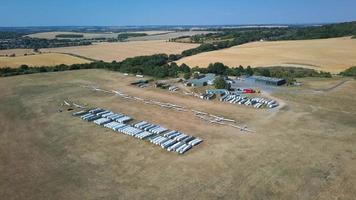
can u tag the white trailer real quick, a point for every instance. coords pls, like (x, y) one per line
(107, 114)
(102, 121)
(168, 144)
(195, 142)
(102, 113)
(169, 133)
(86, 115)
(175, 146)
(185, 149)
(174, 135)
(181, 147)
(140, 124)
(79, 113)
(96, 110)
(119, 127)
(124, 119)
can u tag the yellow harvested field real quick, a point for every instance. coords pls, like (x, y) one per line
(332, 55)
(48, 59)
(17, 52)
(121, 50)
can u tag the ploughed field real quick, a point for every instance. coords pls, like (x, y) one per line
(304, 150)
(331, 55)
(45, 59)
(121, 50)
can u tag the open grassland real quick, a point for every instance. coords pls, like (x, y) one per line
(306, 150)
(45, 59)
(122, 50)
(332, 55)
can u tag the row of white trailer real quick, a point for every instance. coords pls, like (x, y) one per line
(169, 140)
(249, 101)
(101, 116)
(175, 141)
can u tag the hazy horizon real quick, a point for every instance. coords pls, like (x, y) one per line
(42, 13)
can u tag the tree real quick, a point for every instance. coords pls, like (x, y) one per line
(187, 76)
(218, 68)
(184, 68)
(220, 83)
(265, 72)
(174, 57)
(24, 67)
(249, 71)
(195, 75)
(174, 65)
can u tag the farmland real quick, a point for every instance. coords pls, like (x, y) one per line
(151, 35)
(52, 35)
(16, 52)
(121, 50)
(304, 150)
(169, 35)
(332, 55)
(46, 59)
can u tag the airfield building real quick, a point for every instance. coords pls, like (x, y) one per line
(268, 80)
(202, 80)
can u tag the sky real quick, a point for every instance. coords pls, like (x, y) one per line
(172, 12)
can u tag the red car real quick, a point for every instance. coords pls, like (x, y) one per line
(248, 91)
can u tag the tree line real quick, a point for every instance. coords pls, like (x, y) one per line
(9, 35)
(69, 36)
(158, 66)
(162, 66)
(125, 36)
(349, 72)
(37, 43)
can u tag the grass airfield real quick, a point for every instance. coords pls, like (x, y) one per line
(304, 150)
